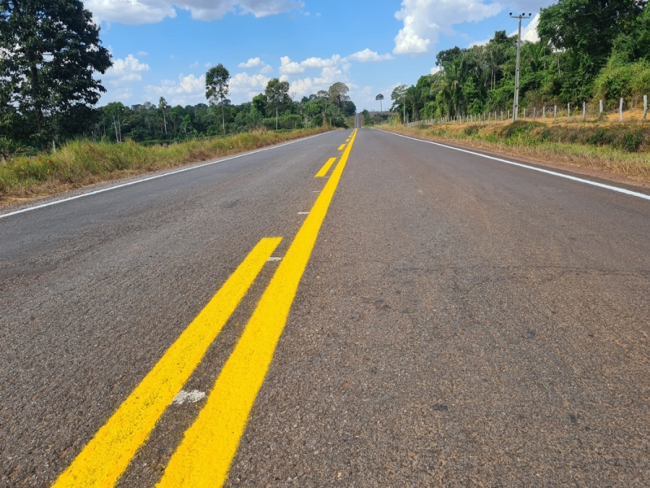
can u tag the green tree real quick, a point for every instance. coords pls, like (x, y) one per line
(380, 97)
(116, 113)
(277, 96)
(586, 31)
(163, 107)
(338, 93)
(399, 99)
(259, 104)
(50, 51)
(216, 89)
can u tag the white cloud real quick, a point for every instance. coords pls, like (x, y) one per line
(150, 11)
(244, 83)
(127, 69)
(307, 86)
(251, 63)
(320, 62)
(188, 89)
(142, 53)
(289, 67)
(208, 64)
(195, 64)
(435, 69)
(257, 63)
(368, 56)
(424, 20)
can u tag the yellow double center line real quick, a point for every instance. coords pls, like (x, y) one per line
(204, 456)
(108, 454)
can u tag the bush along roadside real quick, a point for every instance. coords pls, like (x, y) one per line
(82, 162)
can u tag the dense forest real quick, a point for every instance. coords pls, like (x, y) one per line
(149, 122)
(588, 50)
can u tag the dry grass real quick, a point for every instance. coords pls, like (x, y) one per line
(590, 147)
(81, 163)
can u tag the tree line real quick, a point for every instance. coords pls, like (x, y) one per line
(588, 50)
(273, 109)
(51, 59)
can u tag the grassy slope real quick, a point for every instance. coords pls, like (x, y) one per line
(619, 148)
(81, 163)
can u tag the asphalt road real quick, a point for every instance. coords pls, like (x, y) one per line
(459, 321)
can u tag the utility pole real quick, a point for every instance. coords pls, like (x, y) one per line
(515, 110)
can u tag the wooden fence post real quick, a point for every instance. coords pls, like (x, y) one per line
(645, 106)
(554, 113)
(568, 112)
(544, 113)
(584, 111)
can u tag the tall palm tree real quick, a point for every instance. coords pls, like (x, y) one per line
(380, 97)
(450, 85)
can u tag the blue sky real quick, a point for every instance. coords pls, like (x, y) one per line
(164, 47)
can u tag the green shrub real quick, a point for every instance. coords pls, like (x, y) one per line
(628, 81)
(632, 141)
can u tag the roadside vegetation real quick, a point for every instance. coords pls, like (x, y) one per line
(589, 56)
(53, 138)
(587, 51)
(82, 162)
(618, 148)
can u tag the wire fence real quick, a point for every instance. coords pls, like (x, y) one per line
(586, 112)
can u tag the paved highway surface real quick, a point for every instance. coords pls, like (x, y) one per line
(413, 316)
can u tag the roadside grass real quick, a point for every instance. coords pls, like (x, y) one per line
(82, 162)
(618, 148)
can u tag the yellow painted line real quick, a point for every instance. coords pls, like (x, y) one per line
(326, 167)
(108, 454)
(204, 456)
(341, 147)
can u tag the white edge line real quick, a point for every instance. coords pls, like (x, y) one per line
(122, 185)
(561, 175)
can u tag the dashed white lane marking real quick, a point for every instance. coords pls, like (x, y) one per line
(315, 191)
(169, 173)
(273, 258)
(561, 175)
(303, 213)
(188, 397)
